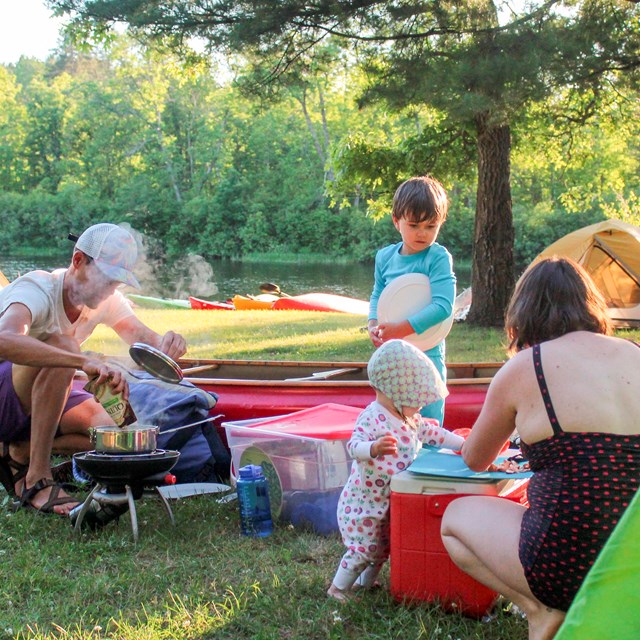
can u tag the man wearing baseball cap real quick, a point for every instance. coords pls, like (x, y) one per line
(44, 318)
(113, 249)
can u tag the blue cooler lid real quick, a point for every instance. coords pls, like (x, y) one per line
(432, 461)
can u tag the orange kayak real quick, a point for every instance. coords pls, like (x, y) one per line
(262, 301)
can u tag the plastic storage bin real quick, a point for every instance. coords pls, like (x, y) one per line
(420, 567)
(304, 458)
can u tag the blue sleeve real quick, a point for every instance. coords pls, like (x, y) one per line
(378, 286)
(443, 293)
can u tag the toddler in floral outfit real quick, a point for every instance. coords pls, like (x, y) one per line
(386, 439)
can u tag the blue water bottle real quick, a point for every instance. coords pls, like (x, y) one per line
(253, 499)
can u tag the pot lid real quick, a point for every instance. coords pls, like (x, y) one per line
(153, 361)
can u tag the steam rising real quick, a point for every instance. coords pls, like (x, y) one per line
(195, 278)
(192, 275)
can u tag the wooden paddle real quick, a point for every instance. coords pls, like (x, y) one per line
(325, 375)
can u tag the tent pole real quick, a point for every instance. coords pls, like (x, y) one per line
(604, 247)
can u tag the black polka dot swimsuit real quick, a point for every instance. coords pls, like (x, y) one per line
(582, 484)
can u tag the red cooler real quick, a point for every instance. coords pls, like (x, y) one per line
(421, 568)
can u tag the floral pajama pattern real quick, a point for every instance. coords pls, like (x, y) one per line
(363, 508)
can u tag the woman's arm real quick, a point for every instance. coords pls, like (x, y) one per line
(497, 419)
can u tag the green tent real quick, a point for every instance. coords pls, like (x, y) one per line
(606, 606)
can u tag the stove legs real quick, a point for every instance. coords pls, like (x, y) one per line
(77, 515)
(165, 504)
(101, 507)
(132, 512)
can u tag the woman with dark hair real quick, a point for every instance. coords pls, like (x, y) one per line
(572, 392)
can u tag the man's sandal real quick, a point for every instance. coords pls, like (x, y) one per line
(11, 472)
(55, 499)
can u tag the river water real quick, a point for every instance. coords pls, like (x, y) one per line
(222, 279)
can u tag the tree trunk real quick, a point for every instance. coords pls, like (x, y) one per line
(312, 130)
(493, 269)
(167, 157)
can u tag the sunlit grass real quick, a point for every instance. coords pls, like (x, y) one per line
(200, 580)
(253, 334)
(294, 335)
(287, 335)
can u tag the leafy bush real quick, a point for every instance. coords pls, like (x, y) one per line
(539, 226)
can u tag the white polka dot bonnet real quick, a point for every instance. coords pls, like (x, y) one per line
(405, 375)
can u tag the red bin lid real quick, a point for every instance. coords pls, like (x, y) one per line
(329, 421)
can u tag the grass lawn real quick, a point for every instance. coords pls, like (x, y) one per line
(288, 335)
(202, 579)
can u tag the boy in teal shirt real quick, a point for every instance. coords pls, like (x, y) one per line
(419, 209)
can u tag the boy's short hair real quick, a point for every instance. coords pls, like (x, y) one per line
(419, 199)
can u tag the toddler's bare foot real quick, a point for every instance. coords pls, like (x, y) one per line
(338, 594)
(360, 587)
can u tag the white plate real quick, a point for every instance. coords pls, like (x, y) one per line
(405, 296)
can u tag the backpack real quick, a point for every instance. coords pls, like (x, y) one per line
(203, 456)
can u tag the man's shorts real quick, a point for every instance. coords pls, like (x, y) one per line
(15, 424)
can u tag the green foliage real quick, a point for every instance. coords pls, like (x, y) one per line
(457, 232)
(215, 223)
(468, 73)
(537, 227)
(42, 220)
(12, 133)
(131, 135)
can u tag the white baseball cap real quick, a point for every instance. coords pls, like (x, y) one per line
(113, 249)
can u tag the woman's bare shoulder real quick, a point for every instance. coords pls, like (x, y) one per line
(516, 365)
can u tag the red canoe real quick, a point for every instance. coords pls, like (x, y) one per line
(322, 302)
(256, 389)
(197, 303)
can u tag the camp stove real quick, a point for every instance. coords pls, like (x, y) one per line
(121, 480)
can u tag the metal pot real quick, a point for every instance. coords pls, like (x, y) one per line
(137, 439)
(134, 438)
